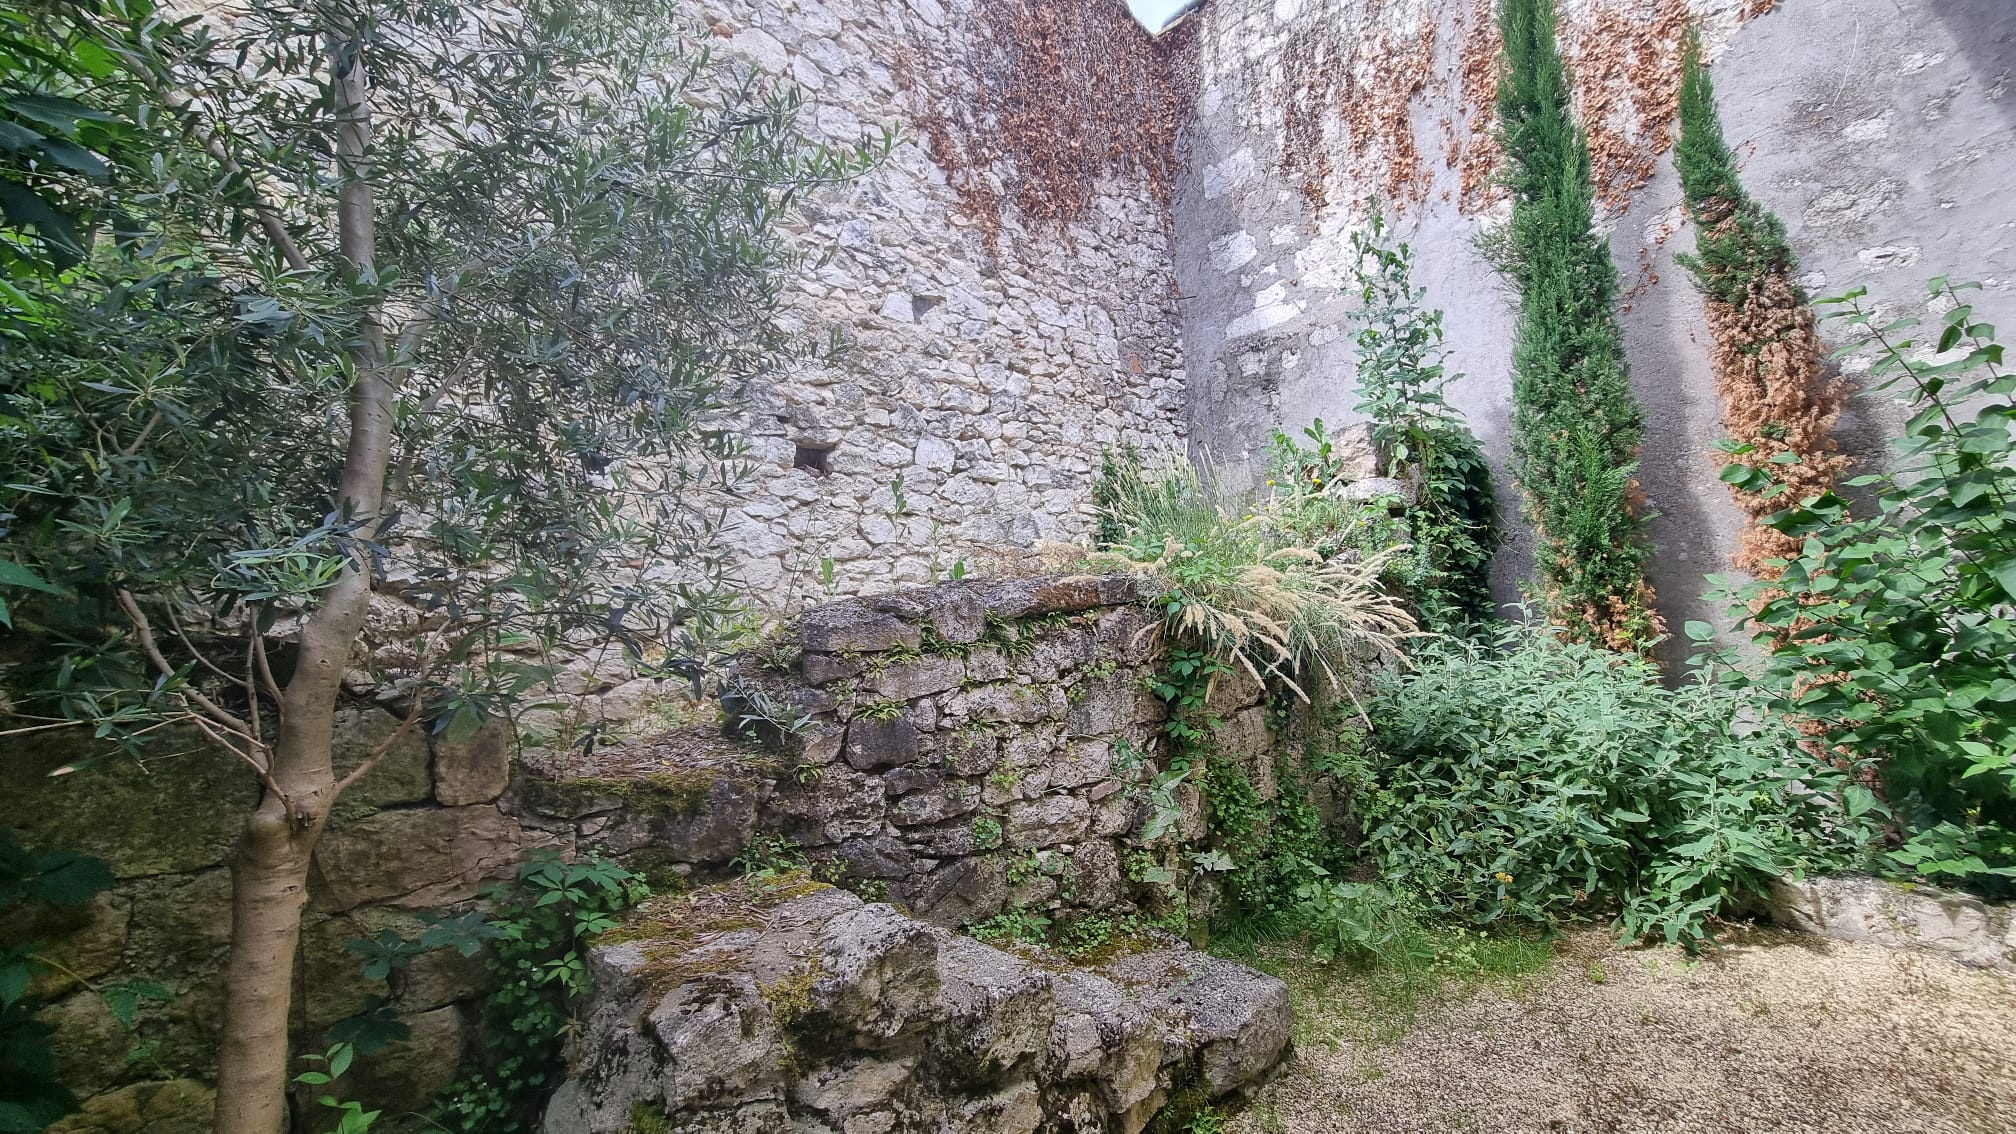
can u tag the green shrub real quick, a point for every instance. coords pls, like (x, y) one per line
(541, 927)
(1401, 374)
(1545, 780)
(1892, 630)
(1576, 428)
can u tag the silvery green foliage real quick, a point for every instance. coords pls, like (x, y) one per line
(579, 260)
(1541, 780)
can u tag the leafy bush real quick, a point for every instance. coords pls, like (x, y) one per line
(1576, 428)
(31, 1095)
(1546, 779)
(1401, 373)
(542, 928)
(1892, 631)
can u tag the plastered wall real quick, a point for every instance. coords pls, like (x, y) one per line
(1879, 130)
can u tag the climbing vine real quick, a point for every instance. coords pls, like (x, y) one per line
(1053, 96)
(1577, 427)
(1777, 403)
(1365, 84)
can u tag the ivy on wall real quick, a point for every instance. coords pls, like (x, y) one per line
(1577, 428)
(1053, 96)
(1777, 403)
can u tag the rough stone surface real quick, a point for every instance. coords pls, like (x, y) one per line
(1848, 907)
(822, 1014)
(476, 768)
(173, 1106)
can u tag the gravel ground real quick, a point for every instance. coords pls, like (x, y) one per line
(1773, 1033)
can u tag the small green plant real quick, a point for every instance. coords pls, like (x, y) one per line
(768, 856)
(986, 833)
(1019, 926)
(1005, 778)
(542, 927)
(333, 1064)
(884, 709)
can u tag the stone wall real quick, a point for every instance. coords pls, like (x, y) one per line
(985, 374)
(1879, 130)
(424, 831)
(970, 748)
(765, 1008)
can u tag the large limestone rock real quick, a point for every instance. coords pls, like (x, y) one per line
(802, 1009)
(1851, 907)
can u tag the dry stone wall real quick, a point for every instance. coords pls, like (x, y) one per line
(984, 374)
(423, 832)
(1879, 130)
(969, 748)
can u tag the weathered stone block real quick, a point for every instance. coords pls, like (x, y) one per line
(820, 669)
(1853, 907)
(838, 804)
(907, 681)
(406, 1076)
(873, 744)
(475, 768)
(972, 751)
(957, 613)
(1048, 820)
(1104, 705)
(970, 890)
(1083, 762)
(401, 777)
(172, 815)
(1021, 598)
(173, 1106)
(883, 856)
(417, 857)
(1233, 691)
(851, 627)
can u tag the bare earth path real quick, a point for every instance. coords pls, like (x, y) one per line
(1777, 1033)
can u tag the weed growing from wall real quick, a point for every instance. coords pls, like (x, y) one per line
(542, 928)
(1777, 403)
(1401, 375)
(1577, 428)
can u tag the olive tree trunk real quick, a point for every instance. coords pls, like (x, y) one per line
(270, 873)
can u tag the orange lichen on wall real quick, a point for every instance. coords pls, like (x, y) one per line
(1474, 153)
(1777, 399)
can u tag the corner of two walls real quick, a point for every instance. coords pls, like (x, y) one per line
(1883, 132)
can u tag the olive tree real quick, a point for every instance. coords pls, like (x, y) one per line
(400, 365)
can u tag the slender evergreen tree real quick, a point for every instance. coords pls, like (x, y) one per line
(1576, 426)
(1777, 402)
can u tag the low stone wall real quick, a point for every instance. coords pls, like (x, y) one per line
(1853, 907)
(804, 1009)
(969, 748)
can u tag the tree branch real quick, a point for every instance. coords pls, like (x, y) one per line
(143, 633)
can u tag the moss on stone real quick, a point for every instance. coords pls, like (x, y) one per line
(645, 1119)
(672, 794)
(672, 931)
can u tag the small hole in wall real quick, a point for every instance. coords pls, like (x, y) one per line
(811, 459)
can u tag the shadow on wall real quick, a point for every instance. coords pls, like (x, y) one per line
(1986, 32)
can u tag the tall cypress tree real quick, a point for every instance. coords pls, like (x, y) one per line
(1576, 426)
(1777, 402)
